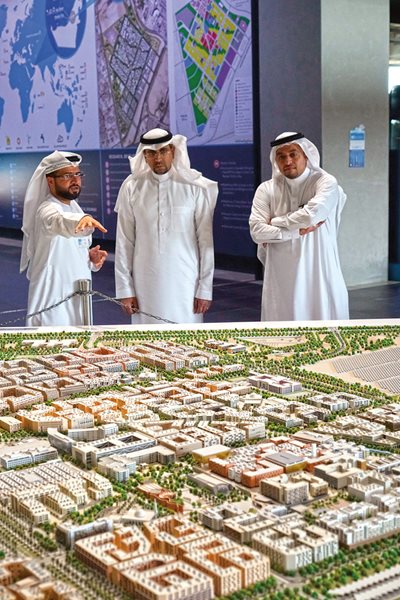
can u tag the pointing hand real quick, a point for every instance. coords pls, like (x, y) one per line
(88, 221)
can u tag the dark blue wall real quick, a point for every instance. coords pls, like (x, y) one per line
(289, 79)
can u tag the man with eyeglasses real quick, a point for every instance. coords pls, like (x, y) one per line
(164, 258)
(57, 236)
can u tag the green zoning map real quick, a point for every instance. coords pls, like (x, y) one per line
(174, 464)
(212, 71)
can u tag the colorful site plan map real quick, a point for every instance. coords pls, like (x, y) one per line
(212, 71)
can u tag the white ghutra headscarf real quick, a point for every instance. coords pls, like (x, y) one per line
(36, 192)
(291, 137)
(157, 138)
(313, 163)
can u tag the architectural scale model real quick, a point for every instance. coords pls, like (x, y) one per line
(190, 465)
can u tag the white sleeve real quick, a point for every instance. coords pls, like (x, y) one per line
(55, 222)
(124, 244)
(203, 216)
(317, 209)
(93, 267)
(261, 230)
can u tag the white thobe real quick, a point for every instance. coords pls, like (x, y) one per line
(164, 252)
(60, 259)
(302, 275)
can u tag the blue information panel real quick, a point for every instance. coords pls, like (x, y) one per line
(16, 171)
(233, 168)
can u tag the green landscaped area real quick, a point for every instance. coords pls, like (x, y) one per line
(292, 352)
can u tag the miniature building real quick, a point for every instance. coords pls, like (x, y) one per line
(274, 384)
(289, 549)
(119, 467)
(68, 534)
(285, 490)
(229, 565)
(163, 496)
(202, 455)
(23, 578)
(104, 550)
(288, 461)
(157, 576)
(241, 528)
(213, 484)
(26, 452)
(180, 443)
(338, 475)
(10, 424)
(90, 453)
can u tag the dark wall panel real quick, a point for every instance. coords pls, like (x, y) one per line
(289, 78)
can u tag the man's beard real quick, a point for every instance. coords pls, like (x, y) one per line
(67, 195)
(160, 169)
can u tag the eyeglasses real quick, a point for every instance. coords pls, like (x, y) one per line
(153, 153)
(68, 176)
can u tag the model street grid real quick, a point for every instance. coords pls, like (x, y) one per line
(244, 462)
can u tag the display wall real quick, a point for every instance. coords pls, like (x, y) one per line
(289, 57)
(93, 76)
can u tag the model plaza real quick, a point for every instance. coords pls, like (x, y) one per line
(195, 464)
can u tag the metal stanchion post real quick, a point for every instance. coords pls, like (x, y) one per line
(85, 285)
